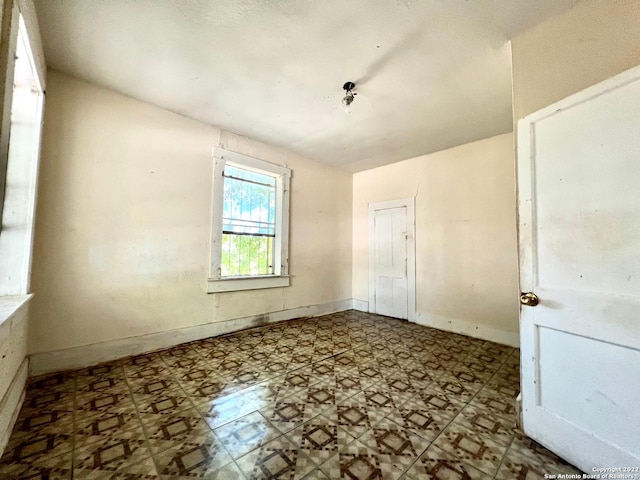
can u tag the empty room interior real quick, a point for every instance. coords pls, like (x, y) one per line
(390, 239)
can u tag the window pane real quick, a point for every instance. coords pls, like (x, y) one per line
(249, 202)
(246, 255)
(248, 223)
(235, 172)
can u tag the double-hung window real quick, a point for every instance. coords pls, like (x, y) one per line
(249, 241)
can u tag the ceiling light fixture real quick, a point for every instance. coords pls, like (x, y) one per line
(348, 98)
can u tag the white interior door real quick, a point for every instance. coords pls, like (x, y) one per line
(579, 225)
(391, 287)
(391, 262)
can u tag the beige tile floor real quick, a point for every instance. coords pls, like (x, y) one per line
(349, 395)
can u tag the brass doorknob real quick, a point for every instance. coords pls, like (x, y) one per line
(529, 299)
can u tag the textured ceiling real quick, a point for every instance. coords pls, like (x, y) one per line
(430, 74)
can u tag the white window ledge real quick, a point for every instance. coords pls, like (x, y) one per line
(9, 306)
(233, 284)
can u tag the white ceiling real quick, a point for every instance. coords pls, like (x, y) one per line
(430, 74)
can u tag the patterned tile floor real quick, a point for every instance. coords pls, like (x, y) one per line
(349, 395)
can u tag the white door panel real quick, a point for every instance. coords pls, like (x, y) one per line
(589, 390)
(589, 154)
(579, 228)
(390, 262)
(392, 275)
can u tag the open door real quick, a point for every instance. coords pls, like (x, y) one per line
(579, 236)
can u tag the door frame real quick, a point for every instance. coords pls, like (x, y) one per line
(409, 204)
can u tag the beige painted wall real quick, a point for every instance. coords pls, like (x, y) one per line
(123, 223)
(590, 43)
(466, 262)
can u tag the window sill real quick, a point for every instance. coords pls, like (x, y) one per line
(9, 306)
(249, 283)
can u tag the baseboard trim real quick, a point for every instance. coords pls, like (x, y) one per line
(86, 355)
(360, 305)
(12, 402)
(476, 330)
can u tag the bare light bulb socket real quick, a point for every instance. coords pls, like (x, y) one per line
(348, 98)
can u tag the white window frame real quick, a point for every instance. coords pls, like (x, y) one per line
(280, 278)
(23, 163)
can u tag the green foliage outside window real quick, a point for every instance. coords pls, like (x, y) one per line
(246, 255)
